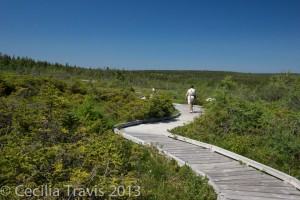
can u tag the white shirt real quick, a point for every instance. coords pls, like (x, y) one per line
(191, 95)
(191, 92)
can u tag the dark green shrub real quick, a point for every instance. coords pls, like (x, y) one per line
(278, 87)
(76, 87)
(273, 92)
(5, 88)
(158, 106)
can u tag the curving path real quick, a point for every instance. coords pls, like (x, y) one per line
(230, 178)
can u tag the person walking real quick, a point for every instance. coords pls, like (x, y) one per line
(191, 96)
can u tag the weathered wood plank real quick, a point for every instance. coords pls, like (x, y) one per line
(250, 181)
(235, 173)
(205, 161)
(152, 137)
(171, 146)
(226, 170)
(200, 159)
(265, 189)
(241, 177)
(182, 145)
(204, 156)
(242, 197)
(261, 194)
(187, 152)
(191, 152)
(197, 160)
(230, 164)
(253, 183)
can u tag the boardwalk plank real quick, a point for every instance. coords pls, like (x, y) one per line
(190, 151)
(261, 194)
(240, 197)
(253, 183)
(230, 164)
(241, 177)
(266, 189)
(235, 173)
(240, 168)
(250, 181)
(198, 160)
(194, 153)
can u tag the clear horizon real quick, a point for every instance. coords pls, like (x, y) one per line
(218, 35)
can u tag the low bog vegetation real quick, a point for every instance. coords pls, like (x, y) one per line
(56, 131)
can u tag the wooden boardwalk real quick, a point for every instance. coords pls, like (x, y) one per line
(230, 178)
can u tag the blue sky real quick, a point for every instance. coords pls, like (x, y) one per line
(259, 36)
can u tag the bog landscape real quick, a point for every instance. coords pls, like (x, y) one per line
(56, 127)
